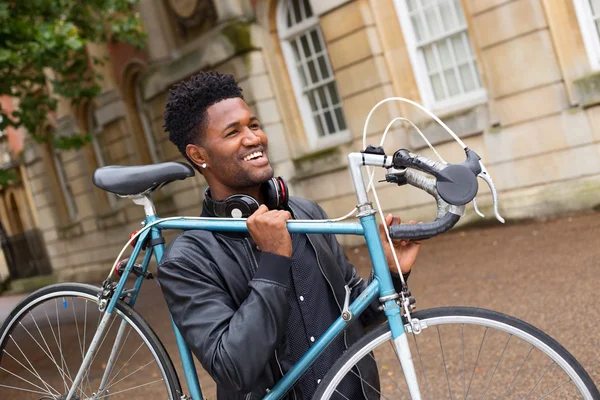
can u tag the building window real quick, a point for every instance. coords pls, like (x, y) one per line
(65, 188)
(310, 70)
(99, 146)
(441, 53)
(588, 13)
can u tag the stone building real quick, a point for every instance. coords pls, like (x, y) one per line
(22, 250)
(517, 80)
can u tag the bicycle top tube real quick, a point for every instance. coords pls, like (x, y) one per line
(231, 225)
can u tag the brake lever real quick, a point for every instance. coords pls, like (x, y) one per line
(477, 208)
(488, 179)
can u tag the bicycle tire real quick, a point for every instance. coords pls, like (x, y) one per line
(122, 310)
(470, 316)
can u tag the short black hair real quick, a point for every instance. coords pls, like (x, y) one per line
(185, 115)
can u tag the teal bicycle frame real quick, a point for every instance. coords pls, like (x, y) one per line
(380, 288)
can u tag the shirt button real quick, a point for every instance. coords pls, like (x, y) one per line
(312, 338)
(301, 298)
(318, 381)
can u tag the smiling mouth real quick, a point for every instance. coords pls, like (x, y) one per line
(253, 156)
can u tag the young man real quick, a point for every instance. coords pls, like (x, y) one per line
(250, 305)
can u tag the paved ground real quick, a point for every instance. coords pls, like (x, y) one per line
(544, 272)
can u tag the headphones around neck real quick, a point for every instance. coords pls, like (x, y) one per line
(274, 192)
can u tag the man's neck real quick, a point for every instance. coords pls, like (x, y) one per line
(219, 192)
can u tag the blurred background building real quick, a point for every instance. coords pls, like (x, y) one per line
(517, 80)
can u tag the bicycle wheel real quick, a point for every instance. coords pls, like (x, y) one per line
(464, 353)
(45, 338)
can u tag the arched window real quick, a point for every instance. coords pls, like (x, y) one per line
(441, 53)
(308, 64)
(145, 146)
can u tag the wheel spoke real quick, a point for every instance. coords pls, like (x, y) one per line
(539, 380)
(136, 387)
(54, 335)
(462, 372)
(444, 361)
(62, 357)
(34, 372)
(389, 377)
(128, 375)
(77, 329)
(25, 380)
(60, 372)
(24, 390)
(85, 324)
(422, 366)
(476, 361)
(46, 343)
(106, 332)
(341, 394)
(124, 364)
(554, 390)
(119, 355)
(368, 384)
(496, 367)
(517, 374)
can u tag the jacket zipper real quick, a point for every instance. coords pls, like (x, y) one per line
(255, 266)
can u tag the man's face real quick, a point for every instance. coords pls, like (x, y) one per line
(236, 147)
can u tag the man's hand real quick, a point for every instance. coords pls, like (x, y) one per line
(406, 250)
(269, 231)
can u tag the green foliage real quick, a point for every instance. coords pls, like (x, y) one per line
(74, 141)
(43, 45)
(7, 177)
(239, 35)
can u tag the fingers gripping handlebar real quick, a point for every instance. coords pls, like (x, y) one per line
(447, 215)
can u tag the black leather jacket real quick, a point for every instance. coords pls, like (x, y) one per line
(233, 312)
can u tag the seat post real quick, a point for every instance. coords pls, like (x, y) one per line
(146, 201)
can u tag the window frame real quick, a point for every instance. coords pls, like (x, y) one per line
(97, 131)
(421, 72)
(589, 32)
(67, 193)
(287, 34)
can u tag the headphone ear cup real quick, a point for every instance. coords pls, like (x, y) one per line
(275, 193)
(240, 206)
(270, 192)
(283, 190)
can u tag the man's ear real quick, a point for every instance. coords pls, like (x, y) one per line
(197, 154)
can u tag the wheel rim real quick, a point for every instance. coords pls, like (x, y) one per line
(44, 344)
(544, 383)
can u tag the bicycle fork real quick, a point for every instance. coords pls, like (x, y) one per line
(392, 310)
(90, 353)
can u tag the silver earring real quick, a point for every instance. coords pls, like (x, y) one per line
(203, 165)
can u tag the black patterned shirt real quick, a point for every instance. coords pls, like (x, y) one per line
(313, 309)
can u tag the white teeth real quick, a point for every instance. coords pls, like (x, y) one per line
(253, 155)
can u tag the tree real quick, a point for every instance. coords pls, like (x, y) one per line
(43, 45)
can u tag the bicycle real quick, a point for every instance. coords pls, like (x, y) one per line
(519, 360)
